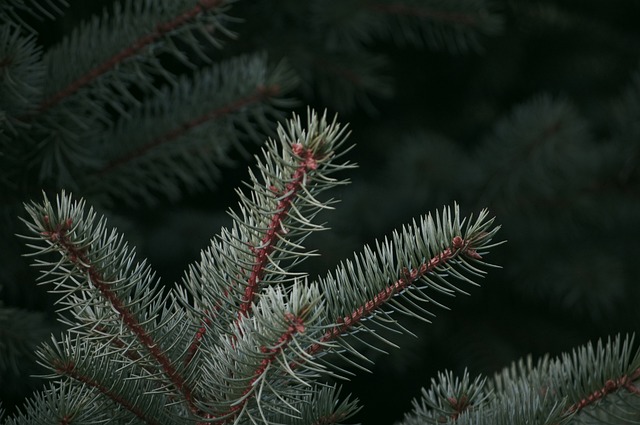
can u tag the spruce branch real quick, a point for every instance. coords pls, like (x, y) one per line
(595, 383)
(542, 169)
(123, 61)
(427, 258)
(102, 289)
(244, 339)
(61, 404)
(22, 75)
(121, 81)
(16, 10)
(264, 242)
(447, 398)
(97, 367)
(249, 337)
(181, 137)
(346, 79)
(136, 29)
(544, 130)
(322, 407)
(592, 376)
(249, 368)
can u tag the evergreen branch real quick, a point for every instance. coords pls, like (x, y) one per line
(517, 396)
(259, 328)
(22, 74)
(169, 143)
(589, 374)
(253, 340)
(197, 339)
(448, 398)
(61, 404)
(321, 406)
(124, 349)
(610, 386)
(264, 242)
(68, 367)
(433, 252)
(345, 324)
(97, 367)
(242, 370)
(307, 163)
(173, 134)
(102, 292)
(134, 48)
(542, 131)
(347, 79)
(259, 95)
(590, 381)
(84, 92)
(13, 10)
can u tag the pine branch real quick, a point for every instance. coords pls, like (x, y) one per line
(248, 339)
(448, 398)
(543, 169)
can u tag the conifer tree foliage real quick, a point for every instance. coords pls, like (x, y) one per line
(527, 108)
(143, 102)
(244, 339)
(127, 109)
